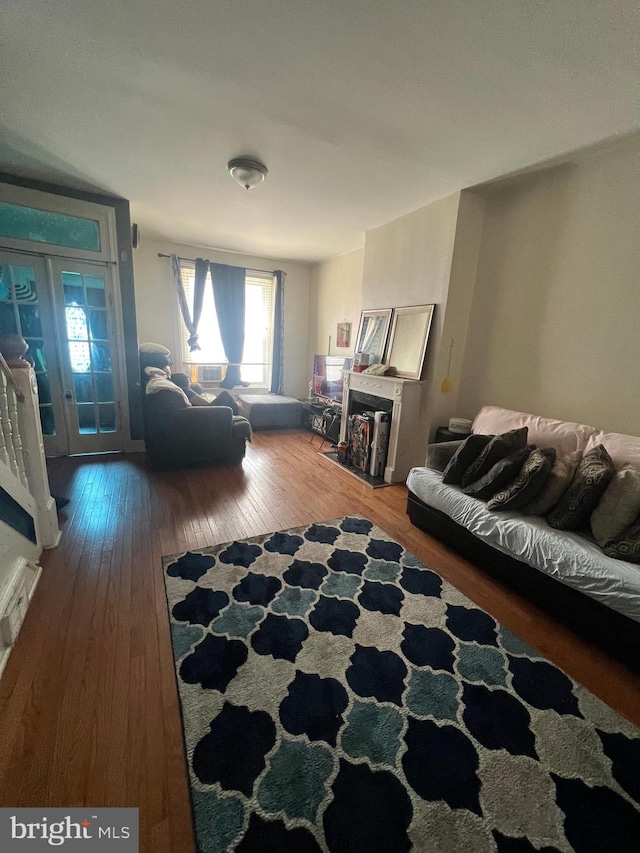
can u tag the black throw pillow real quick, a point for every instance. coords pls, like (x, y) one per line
(499, 447)
(464, 456)
(499, 476)
(627, 545)
(595, 472)
(529, 482)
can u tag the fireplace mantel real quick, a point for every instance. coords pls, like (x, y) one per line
(405, 450)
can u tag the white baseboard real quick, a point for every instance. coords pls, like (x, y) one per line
(15, 597)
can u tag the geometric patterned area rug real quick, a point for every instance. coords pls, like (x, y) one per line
(337, 695)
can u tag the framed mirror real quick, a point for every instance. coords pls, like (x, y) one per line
(372, 333)
(408, 340)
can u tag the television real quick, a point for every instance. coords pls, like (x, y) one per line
(327, 375)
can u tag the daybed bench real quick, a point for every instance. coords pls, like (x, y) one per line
(271, 411)
(563, 571)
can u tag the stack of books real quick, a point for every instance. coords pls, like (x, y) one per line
(369, 442)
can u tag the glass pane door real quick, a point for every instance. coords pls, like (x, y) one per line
(26, 310)
(88, 357)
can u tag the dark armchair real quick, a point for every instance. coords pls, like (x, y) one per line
(179, 435)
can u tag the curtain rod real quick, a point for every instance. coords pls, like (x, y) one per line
(193, 260)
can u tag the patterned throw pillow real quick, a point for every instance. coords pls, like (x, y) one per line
(499, 476)
(499, 447)
(464, 456)
(627, 545)
(619, 506)
(529, 482)
(557, 484)
(595, 472)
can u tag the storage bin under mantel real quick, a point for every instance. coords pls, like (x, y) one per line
(405, 448)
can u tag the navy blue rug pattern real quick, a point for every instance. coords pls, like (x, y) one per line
(338, 695)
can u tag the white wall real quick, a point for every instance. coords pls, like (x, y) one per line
(426, 257)
(335, 296)
(554, 326)
(457, 311)
(408, 262)
(158, 315)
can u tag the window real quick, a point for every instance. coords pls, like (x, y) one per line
(42, 222)
(44, 226)
(20, 314)
(258, 327)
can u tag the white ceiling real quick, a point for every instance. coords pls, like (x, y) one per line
(362, 110)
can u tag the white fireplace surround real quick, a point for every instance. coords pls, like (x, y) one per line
(405, 451)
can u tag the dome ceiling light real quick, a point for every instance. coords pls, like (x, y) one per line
(248, 173)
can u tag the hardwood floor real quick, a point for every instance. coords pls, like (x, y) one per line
(88, 702)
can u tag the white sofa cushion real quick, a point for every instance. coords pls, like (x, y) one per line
(623, 449)
(563, 555)
(543, 432)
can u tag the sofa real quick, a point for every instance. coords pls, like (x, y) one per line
(563, 571)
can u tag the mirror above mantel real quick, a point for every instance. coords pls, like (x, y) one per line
(408, 340)
(372, 333)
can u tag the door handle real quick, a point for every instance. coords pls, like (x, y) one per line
(68, 396)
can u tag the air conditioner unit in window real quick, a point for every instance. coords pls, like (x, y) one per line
(209, 372)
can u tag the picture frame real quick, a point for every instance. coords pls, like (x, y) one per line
(408, 340)
(373, 332)
(343, 336)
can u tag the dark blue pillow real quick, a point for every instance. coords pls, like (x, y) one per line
(595, 472)
(499, 447)
(498, 476)
(528, 483)
(464, 456)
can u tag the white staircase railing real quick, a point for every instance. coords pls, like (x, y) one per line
(23, 469)
(27, 510)
(10, 441)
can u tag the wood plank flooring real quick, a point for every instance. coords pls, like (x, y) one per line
(88, 702)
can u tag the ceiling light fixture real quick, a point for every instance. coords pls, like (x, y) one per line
(248, 173)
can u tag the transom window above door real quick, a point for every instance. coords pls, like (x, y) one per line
(35, 221)
(44, 226)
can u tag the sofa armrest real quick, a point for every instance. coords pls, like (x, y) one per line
(198, 422)
(440, 454)
(241, 428)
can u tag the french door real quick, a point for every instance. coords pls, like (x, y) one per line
(64, 310)
(87, 355)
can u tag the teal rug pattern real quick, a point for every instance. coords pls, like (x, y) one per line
(338, 695)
